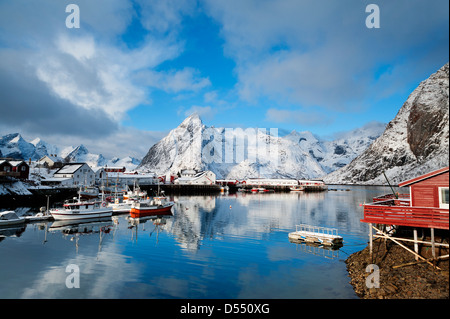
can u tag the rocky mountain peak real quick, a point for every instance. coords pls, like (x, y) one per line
(415, 142)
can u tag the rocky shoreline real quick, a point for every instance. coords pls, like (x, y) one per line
(412, 281)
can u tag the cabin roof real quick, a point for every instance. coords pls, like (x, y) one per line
(69, 168)
(423, 177)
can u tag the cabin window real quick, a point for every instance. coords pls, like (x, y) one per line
(443, 197)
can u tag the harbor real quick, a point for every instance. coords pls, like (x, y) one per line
(207, 239)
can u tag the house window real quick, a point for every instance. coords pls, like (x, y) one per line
(443, 197)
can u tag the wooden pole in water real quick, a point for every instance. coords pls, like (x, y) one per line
(416, 245)
(370, 241)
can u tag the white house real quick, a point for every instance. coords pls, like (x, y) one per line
(72, 174)
(200, 178)
(107, 176)
(50, 160)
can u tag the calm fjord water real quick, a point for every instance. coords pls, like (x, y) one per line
(225, 246)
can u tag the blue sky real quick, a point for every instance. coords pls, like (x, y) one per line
(135, 69)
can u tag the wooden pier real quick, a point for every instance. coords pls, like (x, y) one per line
(316, 234)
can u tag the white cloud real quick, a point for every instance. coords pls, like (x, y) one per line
(165, 16)
(72, 83)
(313, 53)
(174, 81)
(205, 112)
(297, 117)
(88, 75)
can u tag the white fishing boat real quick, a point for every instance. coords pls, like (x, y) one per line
(123, 204)
(135, 194)
(77, 208)
(10, 218)
(89, 192)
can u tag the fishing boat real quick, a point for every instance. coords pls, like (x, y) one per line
(156, 206)
(136, 193)
(89, 192)
(80, 209)
(77, 208)
(10, 218)
(123, 204)
(296, 188)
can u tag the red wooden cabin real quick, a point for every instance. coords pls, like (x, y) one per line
(426, 206)
(429, 190)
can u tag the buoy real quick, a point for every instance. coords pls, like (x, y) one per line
(230, 206)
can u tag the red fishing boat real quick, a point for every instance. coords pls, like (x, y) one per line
(156, 206)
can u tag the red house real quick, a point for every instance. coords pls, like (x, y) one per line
(429, 190)
(14, 168)
(5, 167)
(426, 206)
(21, 167)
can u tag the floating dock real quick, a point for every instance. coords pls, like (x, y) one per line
(315, 234)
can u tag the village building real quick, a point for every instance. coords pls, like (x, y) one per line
(14, 168)
(200, 178)
(426, 207)
(51, 160)
(111, 176)
(5, 168)
(429, 190)
(72, 175)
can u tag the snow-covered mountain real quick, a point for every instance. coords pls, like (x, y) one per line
(81, 154)
(251, 153)
(129, 162)
(15, 146)
(415, 142)
(332, 155)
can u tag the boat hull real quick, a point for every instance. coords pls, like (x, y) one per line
(71, 215)
(12, 222)
(149, 211)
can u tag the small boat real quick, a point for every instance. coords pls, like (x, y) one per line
(38, 217)
(156, 206)
(10, 217)
(296, 188)
(89, 192)
(136, 193)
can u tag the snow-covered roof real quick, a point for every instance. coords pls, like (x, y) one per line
(52, 157)
(69, 168)
(16, 163)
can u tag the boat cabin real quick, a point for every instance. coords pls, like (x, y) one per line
(76, 204)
